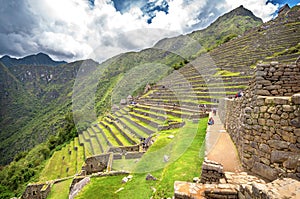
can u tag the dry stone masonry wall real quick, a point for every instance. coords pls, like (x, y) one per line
(36, 191)
(266, 127)
(238, 186)
(212, 172)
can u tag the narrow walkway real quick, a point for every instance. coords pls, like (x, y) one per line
(220, 147)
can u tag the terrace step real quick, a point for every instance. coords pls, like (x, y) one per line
(140, 129)
(111, 134)
(148, 120)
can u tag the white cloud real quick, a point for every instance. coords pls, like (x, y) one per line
(70, 29)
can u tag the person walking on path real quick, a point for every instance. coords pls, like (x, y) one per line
(214, 110)
(211, 121)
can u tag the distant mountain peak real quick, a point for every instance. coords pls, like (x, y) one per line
(36, 59)
(284, 9)
(242, 11)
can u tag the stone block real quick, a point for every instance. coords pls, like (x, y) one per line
(265, 148)
(260, 101)
(282, 101)
(261, 121)
(277, 144)
(275, 117)
(287, 128)
(267, 115)
(265, 171)
(296, 99)
(291, 162)
(287, 108)
(289, 137)
(273, 87)
(263, 109)
(297, 132)
(296, 122)
(272, 109)
(263, 92)
(280, 156)
(284, 115)
(270, 122)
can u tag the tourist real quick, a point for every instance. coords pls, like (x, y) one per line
(210, 121)
(239, 94)
(214, 110)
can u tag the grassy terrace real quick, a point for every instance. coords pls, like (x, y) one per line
(167, 116)
(171, 107)
(108, 135)
(104, 143)
(151, 121)
(146, 125)
(176, 169)
(131, 137)
(166, 110)
(87, 143)
(60, 190)
(118, 134)
(97, 148)
(132, 127)
(65, 162)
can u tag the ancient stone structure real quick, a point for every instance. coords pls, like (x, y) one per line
(37, 191)
(212, 172)
(239, 186)
(77, 185)
(265, 123)
(95, 164)
(124, 149)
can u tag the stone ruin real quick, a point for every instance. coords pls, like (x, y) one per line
(36, 191)
(264, 124)
(229, 185)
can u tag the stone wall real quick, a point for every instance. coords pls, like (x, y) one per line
(135, 155)
(239, 186)
(124, 149)
(95, 164)
(266, 128)
(212, 172)
(276, 79)
(36, 191)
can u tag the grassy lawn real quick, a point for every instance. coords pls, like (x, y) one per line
(60, 190)
(186, 152)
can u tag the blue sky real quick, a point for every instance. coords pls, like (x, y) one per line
(99, 29)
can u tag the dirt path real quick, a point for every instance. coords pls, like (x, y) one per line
(220, 148)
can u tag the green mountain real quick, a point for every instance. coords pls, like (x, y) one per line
(37, 100)
(37, 60)
(33, 108)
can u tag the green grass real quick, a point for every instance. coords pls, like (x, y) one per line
(136, 129)
(63, 164)
(101, 139)
(226, 73)
(123, 140)
(182, 167)
(96, 146)
(108, 135)
(60, 190)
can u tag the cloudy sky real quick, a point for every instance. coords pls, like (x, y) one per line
(79, 29)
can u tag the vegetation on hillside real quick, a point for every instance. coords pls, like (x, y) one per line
(187, 166)
(27, 166)
(46, 104)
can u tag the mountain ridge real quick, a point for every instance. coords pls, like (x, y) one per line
(34, 59)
